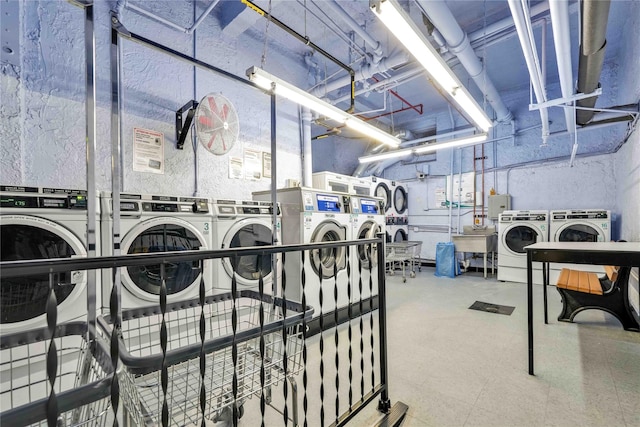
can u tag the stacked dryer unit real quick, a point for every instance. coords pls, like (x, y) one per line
(151, 223)
(310, 215)
(239, 224)
(367, 216)
(37, 224)
(396, 207)
(571, 225)
(517, 229)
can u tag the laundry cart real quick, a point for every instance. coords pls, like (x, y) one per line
(228, 363)
(401, 254)
(82, 370)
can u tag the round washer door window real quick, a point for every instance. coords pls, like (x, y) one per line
(578, 233)
(520, 236)
(383, 192)
(400, 199)
(165, 237)
(24, 298)
(251, 267)
(324, 261)
(368, 252)
(400, 236)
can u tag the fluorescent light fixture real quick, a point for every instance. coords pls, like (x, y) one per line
(400, 24)
(299, 96)
(425, 148)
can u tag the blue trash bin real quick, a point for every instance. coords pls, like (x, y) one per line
(446, 265)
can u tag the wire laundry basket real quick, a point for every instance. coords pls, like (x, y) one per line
(141, 354)
(83, 378)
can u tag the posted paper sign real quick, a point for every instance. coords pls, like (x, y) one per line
(266, 165)
(235, 167)
(252, 164)
(148, 151)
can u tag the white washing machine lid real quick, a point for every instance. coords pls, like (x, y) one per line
(23, 299)
(245, 233)
(324, 261)
(579, 231)
(162, 234)
(520, 234)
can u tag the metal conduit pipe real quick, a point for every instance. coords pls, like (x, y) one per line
(562, 41)
(364, 72)
(397, 78)
(168, 23)
(531, 58)
(368, 39)
(307, 159)
(595, 15)
(458, 43)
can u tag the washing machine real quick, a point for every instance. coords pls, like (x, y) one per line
(331, 181)
(367, 220)
(567, 225)
(312, 216)
(42, 223)
(158, 223)
(517, 229)
(360, 186)
(238, 224)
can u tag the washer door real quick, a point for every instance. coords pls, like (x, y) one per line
(382, 191)
(249, 268)
(329, 258)
(23, 299)
(516, 237)
(162, 235)
(579, 233)
(400, 235)
(400, 200)
(366, 253)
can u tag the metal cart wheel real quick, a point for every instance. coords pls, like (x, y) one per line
(412, 274)
(404, 280)
(391, 272)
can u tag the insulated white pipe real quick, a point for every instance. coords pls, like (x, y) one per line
(562, 41)
(307, 166)
(353, 24)
(364, 72)
(531, 58)
(412, 72)
(458, 43)
(171, 24)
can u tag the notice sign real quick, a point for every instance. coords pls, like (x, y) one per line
(148, 151)
(252, 164)
(235, 167)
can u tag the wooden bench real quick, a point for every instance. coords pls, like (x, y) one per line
(581, 290)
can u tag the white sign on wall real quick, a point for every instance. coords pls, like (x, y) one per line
(463, 193)
(148, 151)
(252, 164)
(235, 167)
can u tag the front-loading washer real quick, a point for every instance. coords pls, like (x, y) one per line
(157, 223)
(367, 221)
(572, 225)
(312, 216)
(517, 229)
(36, 224)
(239, 224)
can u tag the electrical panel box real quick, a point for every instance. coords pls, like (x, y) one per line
(498, 204)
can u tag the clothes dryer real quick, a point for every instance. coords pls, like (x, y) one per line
(42, 223)
(400, 200)
(238, 224)
(570, 225)
(384, 189)
(397, 229)
(151, 223)
(517, 229)
(367, 220)
(312, 216)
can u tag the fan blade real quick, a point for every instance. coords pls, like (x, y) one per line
(213, 138)
(212, 105)
(205, 121)
(225, 111)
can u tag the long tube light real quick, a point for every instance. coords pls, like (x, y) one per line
(400, 24)
(299, 96)
(424, 148)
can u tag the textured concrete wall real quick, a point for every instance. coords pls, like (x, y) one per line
(627, 171)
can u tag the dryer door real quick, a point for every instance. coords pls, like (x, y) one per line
(576, 232)
(400, 201)
(366, 253)
(249, 268)
(162, 234)
(382, 191)
(23, 299)
(400, 235)
(330, 258)
(517, 236)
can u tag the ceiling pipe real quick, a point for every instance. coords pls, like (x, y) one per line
(595, 15)
(187, 30)
(525, 35)
(366, 71)
(368, 39)
(414, 71)
(458, 44)
(562, 42)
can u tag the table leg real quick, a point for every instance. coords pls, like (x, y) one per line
(530, 309)
(485, 265)
(545, 283)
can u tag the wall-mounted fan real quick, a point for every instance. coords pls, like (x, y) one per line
(216, 123)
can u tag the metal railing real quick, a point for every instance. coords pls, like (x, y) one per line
(206, 358)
